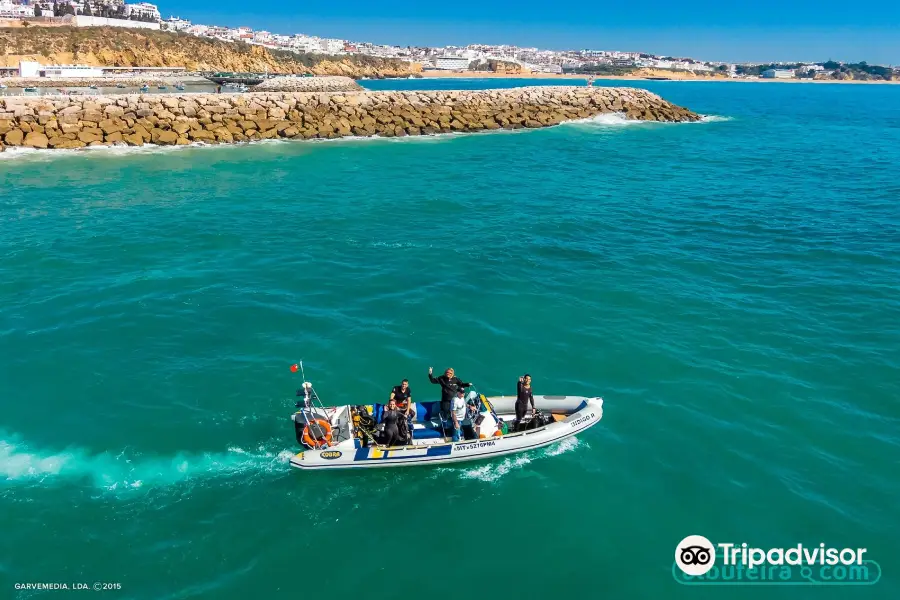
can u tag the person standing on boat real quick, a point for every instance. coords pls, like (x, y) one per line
(402, 395)
(458, 413)
(524, 396)
(391, 419)
(449, 383)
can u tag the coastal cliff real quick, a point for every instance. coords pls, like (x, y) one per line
(120, 47)
(176, 119)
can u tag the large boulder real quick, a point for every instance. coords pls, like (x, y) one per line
(163, 137)
(36, 139)
(203, 136)
(90, 135)
(65, 144)
(14, 137)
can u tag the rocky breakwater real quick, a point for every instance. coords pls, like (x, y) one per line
(335, 83)
(83, 82)
(174, 119)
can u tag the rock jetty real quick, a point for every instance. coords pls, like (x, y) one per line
(334, 83)
(174, 119)
(82, 82)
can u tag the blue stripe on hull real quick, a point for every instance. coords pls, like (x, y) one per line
(439, 451)
(375, 453)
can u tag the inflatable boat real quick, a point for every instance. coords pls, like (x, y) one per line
(348, 437)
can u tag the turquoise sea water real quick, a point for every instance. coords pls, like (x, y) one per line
(729, 287)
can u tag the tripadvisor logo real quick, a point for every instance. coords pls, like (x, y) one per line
(695, 555)
(702, 562)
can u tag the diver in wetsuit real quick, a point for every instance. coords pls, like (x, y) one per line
(449, 385)
(524, 396)
(403, 396)
(391, 419)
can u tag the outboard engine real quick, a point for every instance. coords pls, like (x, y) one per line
(301, 418)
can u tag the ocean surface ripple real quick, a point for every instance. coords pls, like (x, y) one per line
(729, 287)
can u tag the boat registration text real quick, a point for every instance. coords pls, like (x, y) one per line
(581, 420)
(475, 446)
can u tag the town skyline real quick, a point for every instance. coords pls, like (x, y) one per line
(369, 46)
(535, 53)
(803, 31)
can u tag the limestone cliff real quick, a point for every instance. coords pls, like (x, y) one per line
(114, 46)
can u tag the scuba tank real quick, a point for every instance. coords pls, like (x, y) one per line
(363, 424)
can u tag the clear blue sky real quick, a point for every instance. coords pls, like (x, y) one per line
(762, 30)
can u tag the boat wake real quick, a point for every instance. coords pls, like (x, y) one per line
(131, 471)
(496, 470)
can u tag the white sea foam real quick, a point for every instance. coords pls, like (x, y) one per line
(605, 120)
(715, 119)
(33, 154)
(611, 120)
(494, 471)
(19, 463)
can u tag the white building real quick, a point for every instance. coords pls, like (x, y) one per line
(71, 71)
(175, 24)
(777, 74)
(15, 11)
(142, 9)
(83, 21)
(29, 68)
(333, 46)
(33, 69)
(451, 63)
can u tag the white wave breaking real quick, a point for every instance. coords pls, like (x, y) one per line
(20, 463)
(612, 120)
(35, 154)
(714, 119)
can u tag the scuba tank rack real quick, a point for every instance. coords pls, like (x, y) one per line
(365, 425)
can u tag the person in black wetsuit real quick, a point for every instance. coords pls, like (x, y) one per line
(524, 396)
(391, 419)
(402, 395)
(449, 385)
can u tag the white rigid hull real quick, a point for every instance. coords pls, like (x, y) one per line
(582, 413)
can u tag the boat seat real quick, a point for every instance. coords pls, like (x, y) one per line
(425, 411)
(427, 424)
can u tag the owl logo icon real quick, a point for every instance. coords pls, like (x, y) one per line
(695, 555)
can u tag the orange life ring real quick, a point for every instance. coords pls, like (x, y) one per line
(322, 442)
